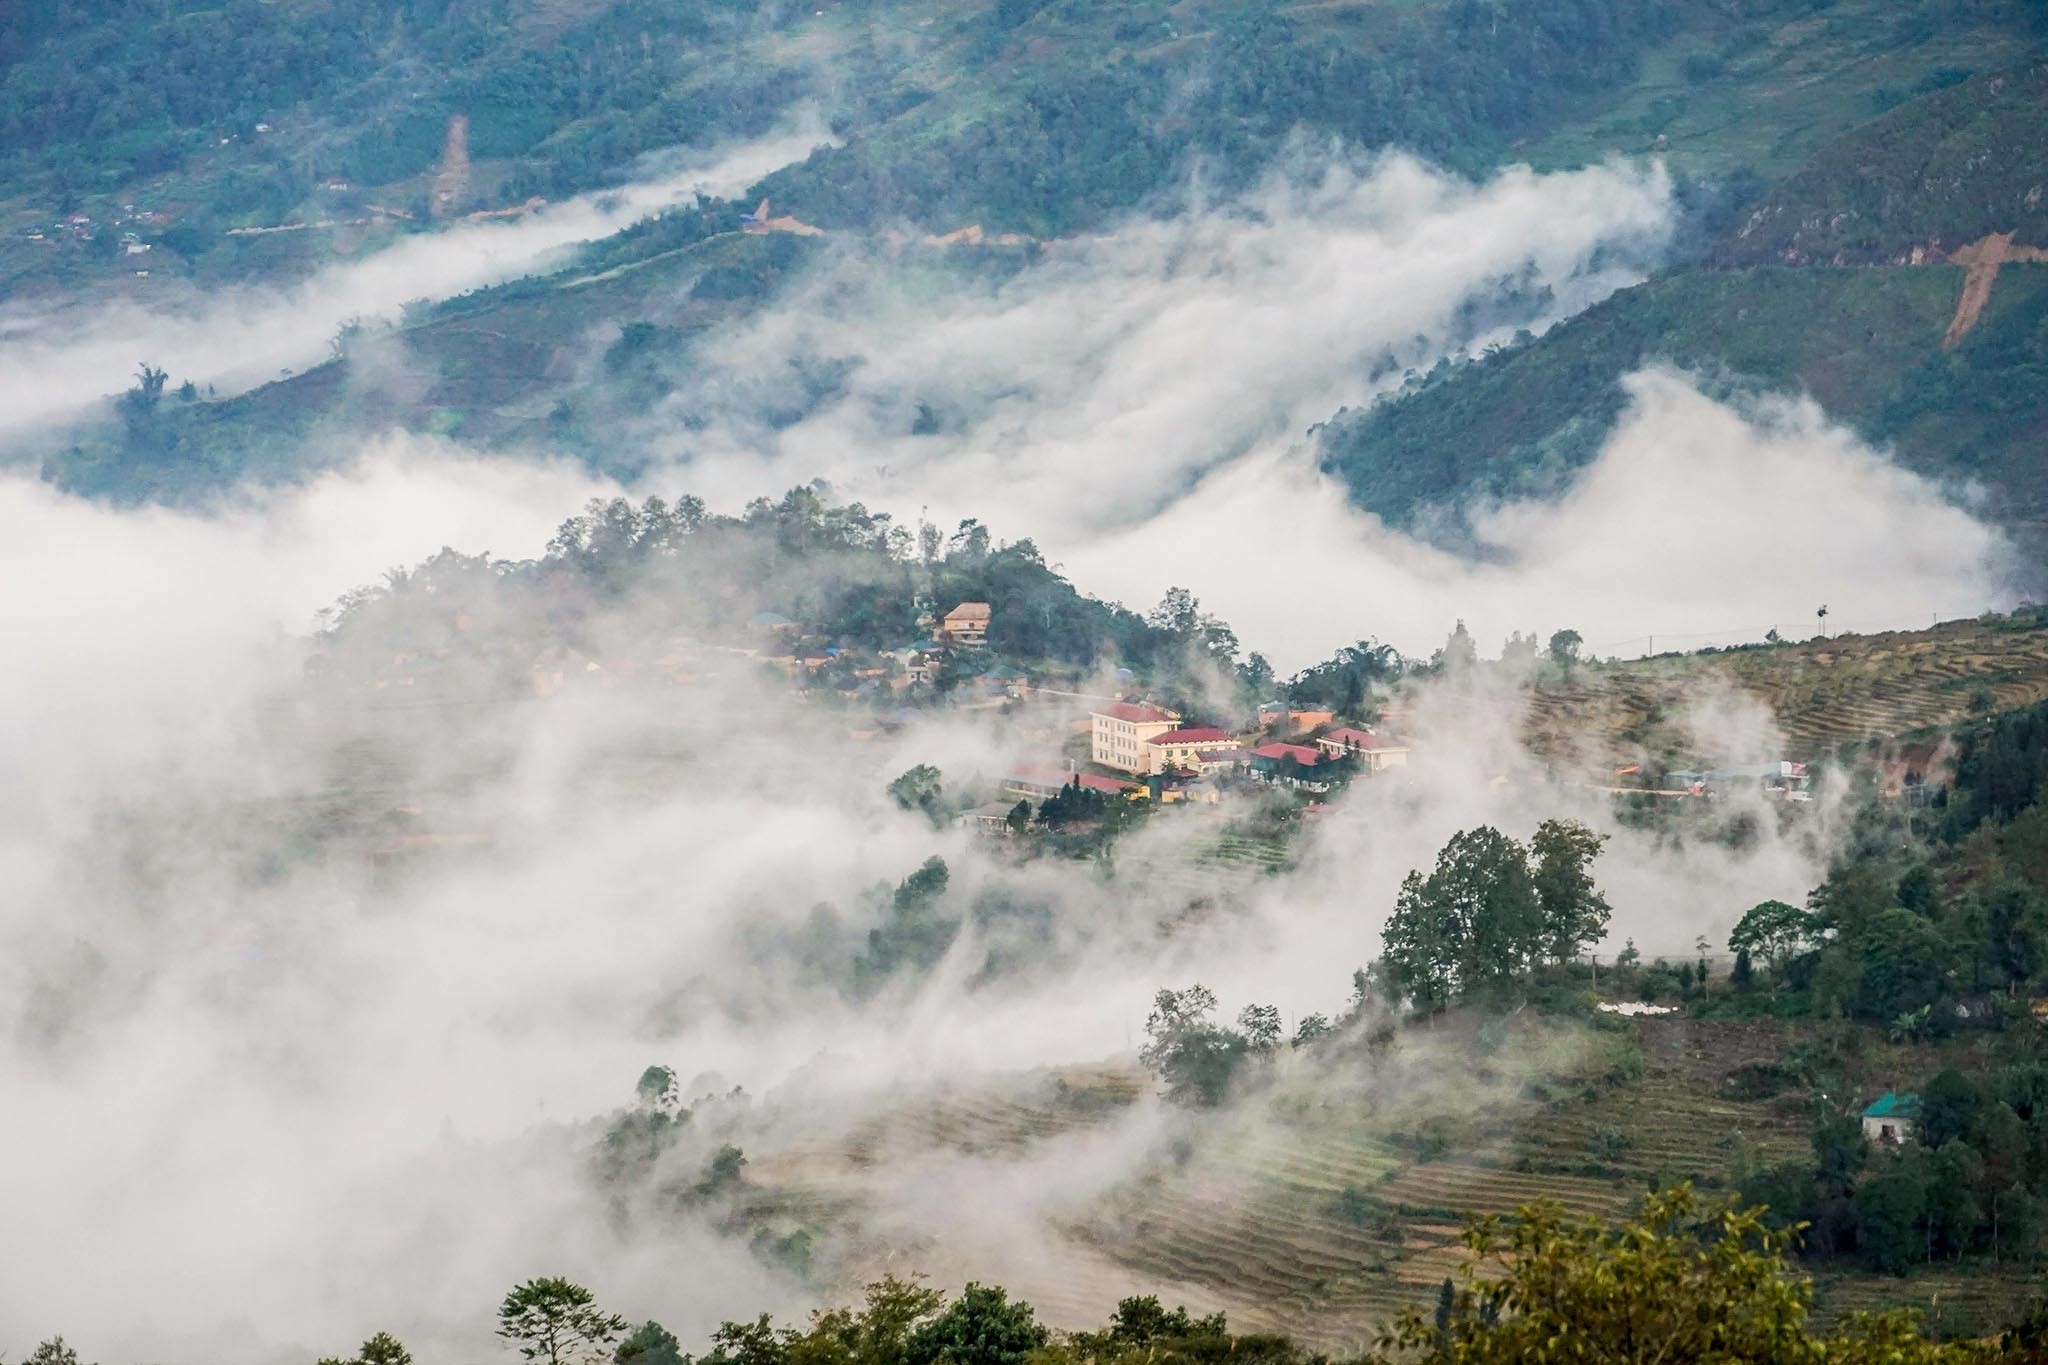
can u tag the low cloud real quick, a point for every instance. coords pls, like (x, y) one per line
(1137, 402)
(236, 338)
(1088, 391)
(288, 1091)
(1699, 522)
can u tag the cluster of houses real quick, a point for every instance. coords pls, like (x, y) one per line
(79, 227)
(958, 637)
(1146, 740)
(1164, 760)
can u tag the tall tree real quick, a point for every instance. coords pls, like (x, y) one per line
(1475, 920)
(1774, 932)
(2016, 932)
(1419, 945)
(1260, 1025)
(1187, 1049)
(53, 1352)
(1574, 912)
(554, 1321)
(981, 1327)
(381, 1349)
(1487, 876)
(650, 1344)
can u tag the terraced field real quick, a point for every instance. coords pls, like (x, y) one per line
(1238, 850)
(1954, 1301)
(1321, 1207)
(1823, 693)
(1327, 1202)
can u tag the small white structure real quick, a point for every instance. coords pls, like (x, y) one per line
(1891, 1121)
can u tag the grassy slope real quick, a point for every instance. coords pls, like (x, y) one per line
(1054, 116)
(1824, 693)
(490, 368)
(953, 116)
(561, 97)
(1245, 1218)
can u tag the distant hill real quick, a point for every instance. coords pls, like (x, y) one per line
(1892, 122)
(1749, 93)
(1866, 343)
(1817, 289)
(1933, 174)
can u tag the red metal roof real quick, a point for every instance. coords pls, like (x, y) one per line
(1135, 713)
(1198, 734)
(1300, 753)
(1055, 777)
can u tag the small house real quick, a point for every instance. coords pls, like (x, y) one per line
(1375, 752)
(1040, 783)
(1293, 765)
(1194, 748)
(1891, 1121)
(966, 624)
(991, 817)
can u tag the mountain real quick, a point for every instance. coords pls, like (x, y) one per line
(1847, 174)
(1895, 278)
(382, 117)
(1928, 177)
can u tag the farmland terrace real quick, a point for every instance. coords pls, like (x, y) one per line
(1329, 1200)
(1824, 693)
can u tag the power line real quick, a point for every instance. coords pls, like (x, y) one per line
(1756, 634)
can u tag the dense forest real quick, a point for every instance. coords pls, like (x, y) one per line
(849, 576)
(95, 93)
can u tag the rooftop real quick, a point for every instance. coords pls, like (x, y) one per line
(1054, 777)
(1892, 1105)
(1197, 734)
(1300, 753)
(1362, 739)
(1136, 713)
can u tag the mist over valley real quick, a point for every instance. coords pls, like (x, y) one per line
(1030, 683)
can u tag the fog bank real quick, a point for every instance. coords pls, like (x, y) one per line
(244, 336)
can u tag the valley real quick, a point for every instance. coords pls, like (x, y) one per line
(1342, 681)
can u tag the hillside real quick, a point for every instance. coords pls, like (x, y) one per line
(1823, 694)
(179, 122)
(383, 117)
(1866, 343)
(1752, 93)
(1042, 119)
(1932, 175)
(1892, 277)
(549, 361)
(1325, 1206)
